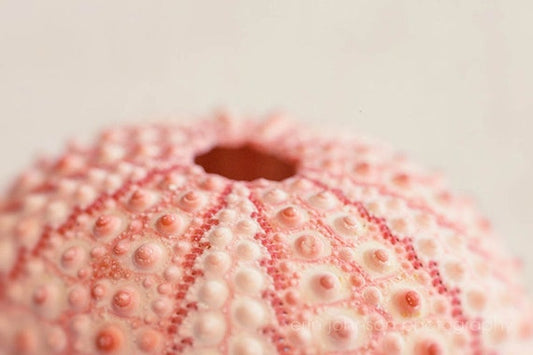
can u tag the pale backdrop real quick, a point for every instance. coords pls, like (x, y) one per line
(449, 82)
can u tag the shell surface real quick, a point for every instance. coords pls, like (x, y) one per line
(312, 245)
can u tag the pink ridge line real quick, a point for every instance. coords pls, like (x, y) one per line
(276, 303)
(189, 278)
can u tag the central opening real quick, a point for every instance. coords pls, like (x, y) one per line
(245, 163)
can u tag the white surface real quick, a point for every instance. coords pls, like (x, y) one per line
(449, 82)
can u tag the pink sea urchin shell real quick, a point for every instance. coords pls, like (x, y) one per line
(246, 237)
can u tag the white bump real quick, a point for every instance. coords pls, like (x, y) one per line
(213, 293)
(248, 280)
(220, 236)
(324, 200)
(172, 273)
(217, 262)
(247, 250)
(275, 196)
(227, 215)
(209, 328)
(249, 313)
(246, 346)
(246, 227)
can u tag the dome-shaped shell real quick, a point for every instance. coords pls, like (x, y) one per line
(129, 246)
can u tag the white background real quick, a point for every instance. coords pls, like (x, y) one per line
(448, 82)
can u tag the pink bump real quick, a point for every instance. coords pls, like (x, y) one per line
(109, 339)
(25, 342)
(326, 285)
(292, 298)
(408, 303)
(140, 200)
(372, 296)
(69, 164)
(148, 340)
(56, 339)
(499, 333)
(26, 227)
(324, 200)
(476, 299)
(212, 183)
(161, 306)
(98, 252)
(327, 282)
(40, 295)
(78, 297)
(428, 247)
(357, 280)
(124, 301)
(377, 259)
(428, 347)
(362, 168)
(291, 216)
(168, 223)
(402, 180)
(347, 225)
(172, 273)
(98, 291)
(121, 247)
(181, 247)
(455, 271)
(347, 254)
(191, 201)
(400, 225)
(106, 225)
(342, 330)
(164, 288)
(147, 255)
(84, 272)
(71, 257)
(309, 246)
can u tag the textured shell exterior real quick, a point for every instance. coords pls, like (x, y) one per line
(128, 247)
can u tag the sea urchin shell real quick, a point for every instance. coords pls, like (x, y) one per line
(247, 237)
